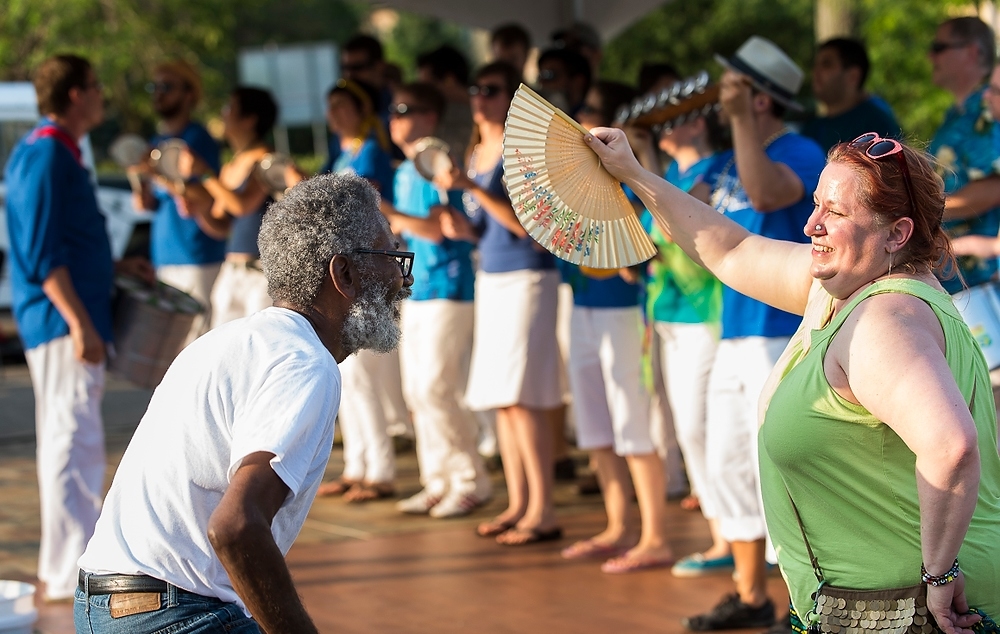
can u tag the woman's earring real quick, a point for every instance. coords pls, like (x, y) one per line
(890, 262)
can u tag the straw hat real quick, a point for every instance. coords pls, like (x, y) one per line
(768, 68)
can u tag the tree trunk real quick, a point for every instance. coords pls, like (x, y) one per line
(834, 18)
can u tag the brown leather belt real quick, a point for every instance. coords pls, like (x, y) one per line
(117, 584)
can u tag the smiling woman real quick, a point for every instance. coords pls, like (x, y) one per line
(871, 421)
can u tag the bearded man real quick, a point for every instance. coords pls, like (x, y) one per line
(221, 472)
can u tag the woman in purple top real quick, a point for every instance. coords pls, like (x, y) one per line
(515, 356)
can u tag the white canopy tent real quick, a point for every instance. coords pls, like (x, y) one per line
(539, 17)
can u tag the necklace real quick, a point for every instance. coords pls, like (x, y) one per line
(723, 204)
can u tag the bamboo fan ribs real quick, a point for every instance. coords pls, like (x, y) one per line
(561, 194)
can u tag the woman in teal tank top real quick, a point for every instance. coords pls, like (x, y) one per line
(879, 422)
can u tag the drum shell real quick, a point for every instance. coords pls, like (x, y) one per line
(147, 337)
(980, 308)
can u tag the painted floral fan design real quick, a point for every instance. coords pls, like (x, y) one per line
(561, 194)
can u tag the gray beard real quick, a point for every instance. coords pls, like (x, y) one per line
(372, 322)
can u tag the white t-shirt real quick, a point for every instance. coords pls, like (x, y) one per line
(262, 383)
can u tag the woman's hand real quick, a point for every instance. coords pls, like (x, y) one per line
(190, 165)
(453, 179)
(455, 225)
(975, 245)
(950, 608)
(612, 147)
(137, 267)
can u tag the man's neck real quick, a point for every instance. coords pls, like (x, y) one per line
(848, 102)
(768, 126)
(326, 328)
(175, 125)
(72, 124)
(962, 89)
(689, 155)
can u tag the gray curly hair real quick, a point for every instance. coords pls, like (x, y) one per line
(315, 220)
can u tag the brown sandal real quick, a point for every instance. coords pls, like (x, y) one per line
(494, 528)
(368, 492)
(339, 486)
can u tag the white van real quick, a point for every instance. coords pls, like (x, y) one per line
(18, 115)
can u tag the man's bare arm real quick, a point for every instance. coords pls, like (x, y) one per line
(240, 532)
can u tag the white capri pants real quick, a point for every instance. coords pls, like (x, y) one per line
(240, 290)
(742, 366)
(605, 376)
(69, 433)
(434, 356)
(687, 353)
(197, 281)
(515, 356)
(364, 421)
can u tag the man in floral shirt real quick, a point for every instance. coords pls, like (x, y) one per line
(962, 55)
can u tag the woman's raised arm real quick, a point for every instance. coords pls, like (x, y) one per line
(772, 271)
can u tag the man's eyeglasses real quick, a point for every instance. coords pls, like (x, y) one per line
(876, 148)
(164, 87)
(485, 90)
(403, 258)
(941, 47)
(403, 109)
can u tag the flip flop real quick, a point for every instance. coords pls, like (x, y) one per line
(529, 536)
(494, 528)
(360, 493)
(339, 486)
(621, 565)
(589, 549)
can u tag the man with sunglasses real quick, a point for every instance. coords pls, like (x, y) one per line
(220, 474)
(765, 184)
(187, 243)
(565, 75)
(962, 56)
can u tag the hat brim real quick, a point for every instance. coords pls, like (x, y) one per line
(784, 101)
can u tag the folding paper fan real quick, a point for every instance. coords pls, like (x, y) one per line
(561, 194)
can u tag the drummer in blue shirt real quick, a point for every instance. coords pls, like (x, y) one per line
(188, 244)
(61, 278)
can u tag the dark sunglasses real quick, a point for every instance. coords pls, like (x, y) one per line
(876, 148)
(403, 109)
(941, 47)
(485, 90)
(403, 258)
(164, 87)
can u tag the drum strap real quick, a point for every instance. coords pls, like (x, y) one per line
(59, 135)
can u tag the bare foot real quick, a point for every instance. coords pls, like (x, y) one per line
(365, 492)
(339, 486)
(518, 536)
(499, 524)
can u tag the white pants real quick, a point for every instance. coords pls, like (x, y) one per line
(434, 357)
(196, 280)
(687, 352)
(741, 368)
(605, 376)
(69, 433)
(662, 420)
(364, 421)
(240, 290)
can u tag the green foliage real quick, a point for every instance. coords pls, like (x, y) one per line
(415, 34)
(686, 33)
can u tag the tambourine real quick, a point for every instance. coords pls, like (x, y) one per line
(685, 100)
(271, 170)
(431, 157)
(165, 159)
(128, 150)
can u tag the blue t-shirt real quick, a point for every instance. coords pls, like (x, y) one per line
(173, 238)
(742, 316)
(53, 221)
(500, 251)
(965, 149)
(598, 288)
(440, 270)
(368, 161)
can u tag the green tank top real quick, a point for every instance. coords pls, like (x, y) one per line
(853, 479)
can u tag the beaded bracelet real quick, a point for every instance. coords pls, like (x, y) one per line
(939, 580)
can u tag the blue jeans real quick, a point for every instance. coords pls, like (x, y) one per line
(180, 613)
